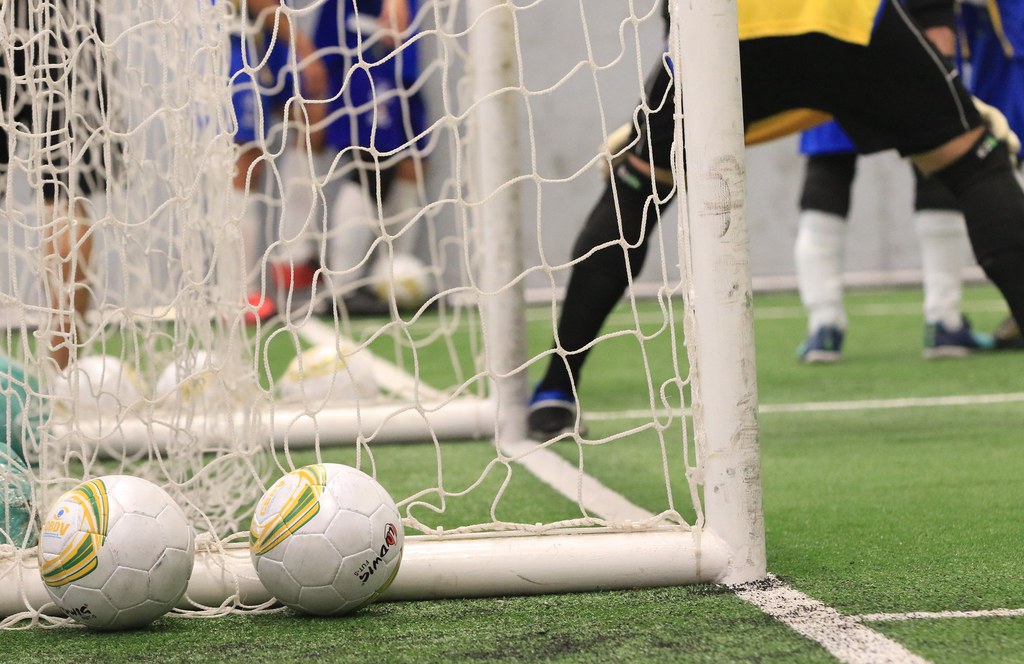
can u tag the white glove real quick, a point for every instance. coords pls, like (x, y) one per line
(614, 144)
(999, 127)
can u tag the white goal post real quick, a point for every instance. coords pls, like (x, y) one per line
(171, 291)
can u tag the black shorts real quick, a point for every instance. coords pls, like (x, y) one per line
(894, 93)
(71, 154)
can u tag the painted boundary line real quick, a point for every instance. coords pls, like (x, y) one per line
(836, 406)
(938, 615)
(844, 637)
(786, 312)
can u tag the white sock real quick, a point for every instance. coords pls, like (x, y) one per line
(353, 224)
(944, 248)
(251, 227)
(403, 203)
(820, 242)
(300, 215)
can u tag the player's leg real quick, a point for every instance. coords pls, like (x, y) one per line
(408, 196)
(66, 187)
(250, 113)
(360, 214)
(610, 248)
(294, 262)
(15, 487)
(249, 172)
(818, 252)
(404, 202)
(972, 163)
(998, 79)
(896, 92)
(942, 235)
(355, 225)
(294, 259)
(67, 245)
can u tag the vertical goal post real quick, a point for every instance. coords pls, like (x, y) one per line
(720, 330)
(485, 190)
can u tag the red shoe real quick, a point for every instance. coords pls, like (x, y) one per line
(287, 276)
(260, 308)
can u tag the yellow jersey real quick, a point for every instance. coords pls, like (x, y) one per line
(846, 20)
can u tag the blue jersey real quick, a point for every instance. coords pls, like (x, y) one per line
(368, 80)
(828, 138)
(249, 105)
(995, 55)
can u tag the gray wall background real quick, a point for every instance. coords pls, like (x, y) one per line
(583, 66)
(566, 123)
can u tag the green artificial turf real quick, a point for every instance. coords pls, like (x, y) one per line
(871, 506)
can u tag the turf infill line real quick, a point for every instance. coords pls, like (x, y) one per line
(939, 615)
(844, 637)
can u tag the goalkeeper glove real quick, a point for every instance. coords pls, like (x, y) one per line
(1000, 128)
(615, 146)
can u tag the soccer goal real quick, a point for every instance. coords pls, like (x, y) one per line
(259, 303)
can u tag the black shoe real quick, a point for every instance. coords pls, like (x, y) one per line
(363, 302)
(1007, 336)
(552, 413)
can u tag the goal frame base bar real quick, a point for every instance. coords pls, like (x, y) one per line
(448, 567)
(462, 418)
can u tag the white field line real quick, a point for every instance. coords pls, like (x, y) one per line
(844, 637)
(938, 615)
(565, 478)
(874, 310)
(396, 381)
(835, 406)
(781, 312)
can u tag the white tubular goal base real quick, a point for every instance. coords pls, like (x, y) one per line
(454, 567)
(467, 418)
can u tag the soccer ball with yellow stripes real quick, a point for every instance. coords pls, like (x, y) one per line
(116, 552)
(326, 539)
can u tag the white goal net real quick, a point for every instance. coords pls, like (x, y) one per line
(233, 247)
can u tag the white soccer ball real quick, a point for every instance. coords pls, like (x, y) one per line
(187, 377)
(406, 277)
(322, 374)
(116, 552)
(326, 539)
(98, 382)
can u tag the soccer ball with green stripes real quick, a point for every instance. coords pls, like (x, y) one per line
(326, 539)
(116, 552)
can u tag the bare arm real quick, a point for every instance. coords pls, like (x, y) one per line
(394, 18)
(943, 38)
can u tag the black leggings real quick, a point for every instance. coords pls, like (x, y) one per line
(828, 181)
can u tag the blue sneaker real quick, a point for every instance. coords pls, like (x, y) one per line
(552, 413)
(823, 347)
(15, 501)
(940, 342)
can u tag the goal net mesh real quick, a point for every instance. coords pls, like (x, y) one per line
(274, 279)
